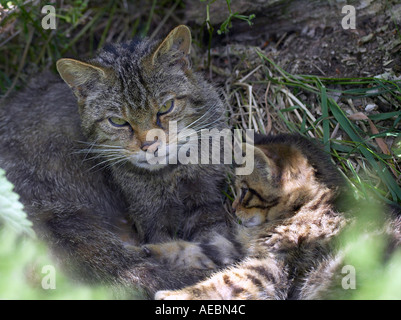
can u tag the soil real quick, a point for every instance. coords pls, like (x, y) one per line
(307, 37)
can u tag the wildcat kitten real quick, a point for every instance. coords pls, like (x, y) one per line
(124, 92)
(289, 221)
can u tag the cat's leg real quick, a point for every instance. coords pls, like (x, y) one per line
(207, 241)
(173, 253)
(87, 249)
(180, 254)
(210, 251)
(252, 279)
(324, 281)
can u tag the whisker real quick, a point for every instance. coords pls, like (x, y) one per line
(205, 114)
(107, 161)
(99, 151)
(206, 125)
(193, 122)
(98, 145)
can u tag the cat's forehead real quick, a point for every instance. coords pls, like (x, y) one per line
(125, 54)
(136, 81)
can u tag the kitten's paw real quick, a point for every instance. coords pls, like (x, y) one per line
(172, 295)
(181, 254)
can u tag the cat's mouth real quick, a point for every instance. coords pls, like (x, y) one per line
(152, 160)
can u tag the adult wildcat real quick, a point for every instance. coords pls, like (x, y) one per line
(129, 91)
(122, 94)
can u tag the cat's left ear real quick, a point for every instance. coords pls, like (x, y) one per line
(175, 48)
(80, 76)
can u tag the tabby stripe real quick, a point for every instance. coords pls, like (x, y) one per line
(236, 290)
(255, 281)
(263, 272)
(268, 204)
(320, 201)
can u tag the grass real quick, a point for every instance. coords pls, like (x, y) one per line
(363, 145)
(81, 28)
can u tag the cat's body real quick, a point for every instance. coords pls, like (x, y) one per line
(290, 227)
(80, 169)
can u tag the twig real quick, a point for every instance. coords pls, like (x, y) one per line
(21, 64)
(166, 16)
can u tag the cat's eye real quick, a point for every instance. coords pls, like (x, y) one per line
(167, 107)
(243, 193)
(118, 122)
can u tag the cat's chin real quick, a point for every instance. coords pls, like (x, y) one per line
(150, 167)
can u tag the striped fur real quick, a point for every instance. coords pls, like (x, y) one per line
(168, 203)
(78, 175)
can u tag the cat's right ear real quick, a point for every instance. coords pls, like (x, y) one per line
(174, 48)
(260, 158)
(79, 75)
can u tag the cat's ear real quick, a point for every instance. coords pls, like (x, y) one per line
(252, 157)
(175, 48)
(79, 75)
(266, 160)
(260, 158)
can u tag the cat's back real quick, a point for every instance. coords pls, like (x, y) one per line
(45, 105)
(40, 132)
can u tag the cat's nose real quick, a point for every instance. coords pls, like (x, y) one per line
(150, 146)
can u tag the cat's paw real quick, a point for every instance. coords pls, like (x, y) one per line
(181, 254)
(172, 295)
(222, 250)
(137, 251)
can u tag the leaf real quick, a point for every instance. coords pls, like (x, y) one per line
(380, 142)
(350, 129)
(11, 209)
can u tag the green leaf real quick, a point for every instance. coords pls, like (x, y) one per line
(11, 210)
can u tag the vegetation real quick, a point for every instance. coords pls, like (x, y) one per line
(26, 269)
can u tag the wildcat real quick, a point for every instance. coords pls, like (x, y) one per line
(181, 229)
(290, 223)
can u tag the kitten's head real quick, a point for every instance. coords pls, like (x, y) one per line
(289, 171)
(131, 92)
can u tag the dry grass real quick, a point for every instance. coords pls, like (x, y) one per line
(343, 114)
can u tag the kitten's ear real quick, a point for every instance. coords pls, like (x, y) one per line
(79, 75)
(254, 155)
(175, 47)
(260, 158)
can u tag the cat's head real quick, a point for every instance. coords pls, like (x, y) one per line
(130, 94)
(289, 171)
